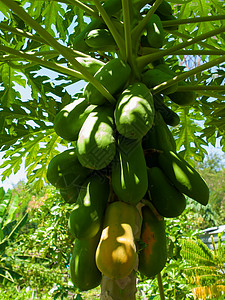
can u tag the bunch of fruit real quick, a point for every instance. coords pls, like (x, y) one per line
(124, 153)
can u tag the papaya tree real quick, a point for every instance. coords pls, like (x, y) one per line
(111, 102)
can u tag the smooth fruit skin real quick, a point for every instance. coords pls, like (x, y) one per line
(70, 119)
(113, 76)
(183, 98)
(87, 215)
(65, 170)
(100, 38)
(90, 63)
(155, 32)
(167, 200)
(129, 173)
(84, 273)
(116, 252)
(153, 256)
(159, 137)
(134, 111)
(185, 178)
(154, 77)
(96, 145)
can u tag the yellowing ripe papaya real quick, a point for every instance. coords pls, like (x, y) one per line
(116, 252)
(113, 76)
(153, 254)
(184, 177)
(84, 273)
(65, 170)
(167, 200)
(134, 111)
(86, 217)
(70, 119)
(96, 145)
(129, 173)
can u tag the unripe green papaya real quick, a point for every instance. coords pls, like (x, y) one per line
(129, 173)
(155, 77)
(165, 8)
(113, 76)
(134, 111)
(183, 98)
(91, 64)
(84, 273)
(155, 32)
(153, 256)
(96, 144)
(184, 177)
(159, 137)
(169, 116)
(167, 18)
(165, 68)
(70, 119)
(70, 194)
(100, 38)
(167, 200)
(86, 217)
(111, 7)
(65, 170)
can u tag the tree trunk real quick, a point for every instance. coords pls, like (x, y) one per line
(120, 289)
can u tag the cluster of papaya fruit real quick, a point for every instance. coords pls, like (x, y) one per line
(123, 153)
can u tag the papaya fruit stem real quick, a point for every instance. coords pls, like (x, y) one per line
(66, 52)
(127, 29)
(193, 20)
(187, 74)
(117, 37)
(160, 285)
(136, 32)
(84, 7)
(142, 61)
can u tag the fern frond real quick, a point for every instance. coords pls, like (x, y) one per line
(197, 253)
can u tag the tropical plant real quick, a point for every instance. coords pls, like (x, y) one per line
(10, 227)
(205, 269)
(128, 42)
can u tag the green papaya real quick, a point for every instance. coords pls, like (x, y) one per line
(96, 144)
(153, 255)
(167, 200)
(184, 177)
(169, 116)
(86, 217)
(69, 120)
(100, 38)
(183, 98)
(159, 137)
(154, 77)
(91, 64)
(65, 170)
(165, 68)
(165, 8)
(111, 7)
(167, 18)
(129, 174)
(134, 111)
(155, 32)
(70, 194)
(84, 273)
(113, 76)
